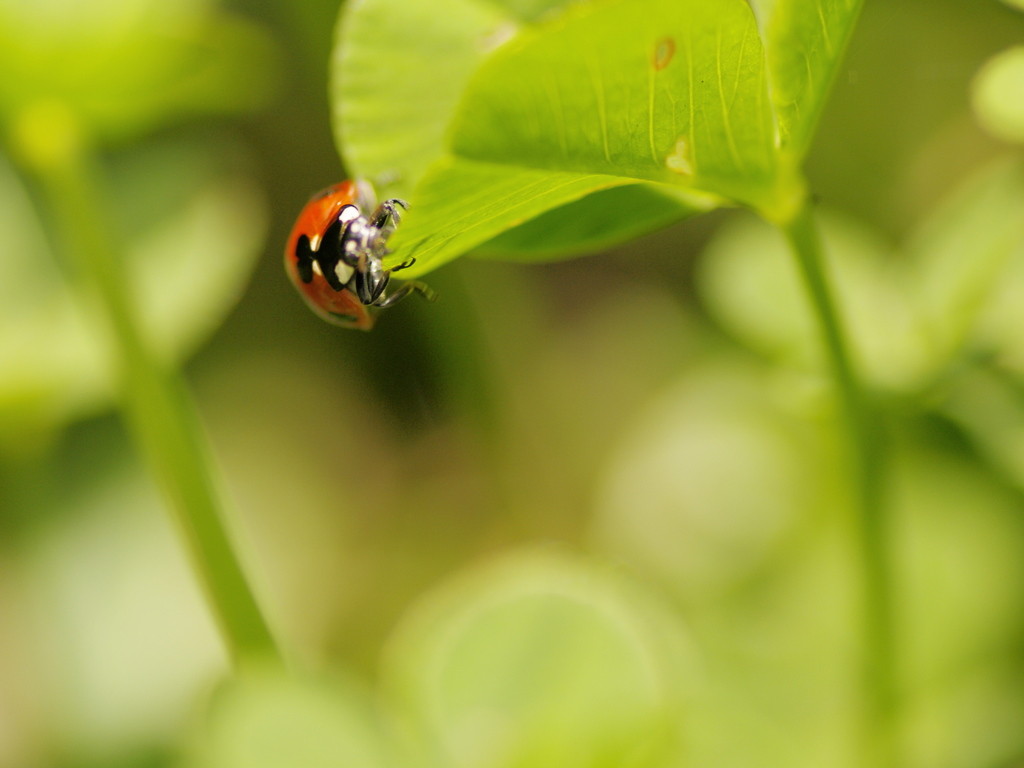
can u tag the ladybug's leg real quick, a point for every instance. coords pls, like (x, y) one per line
(404, 265)
(376, 284)
(370, 284)
(405, 290)
(387, 215)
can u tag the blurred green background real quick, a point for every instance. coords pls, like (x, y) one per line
(594, 503)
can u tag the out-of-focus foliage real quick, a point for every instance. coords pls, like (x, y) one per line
(115, 580)
(126, 66)
(999, 92)
(712, 479)
(187, 208)
(753, 289)
(999, 95)
(954, 291)
(660, 410)
(194, 223)
(541, 661)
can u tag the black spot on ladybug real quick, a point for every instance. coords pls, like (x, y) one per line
(304, 260)
(329, 254)
(663, 53)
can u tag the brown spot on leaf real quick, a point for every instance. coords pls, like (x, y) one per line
(663, 53)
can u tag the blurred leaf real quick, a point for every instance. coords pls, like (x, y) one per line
(194, 224)
(959, 284)
(539, 660)
(725, 490)
(806, 42)
(975, 718)
(575, 365)
(960, 543)
(998, 95)
(53, 361)
(190, 268)
(594, 223)
(267, 718)
(119, 628)
(960, 258)
(778, 663)
(750, 284)
(126, 67)
(1002, 317)
(988, 406)
(398, 71)
(708, 483)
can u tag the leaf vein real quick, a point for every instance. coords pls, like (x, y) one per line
(727, 122)
(597, 81)
(651, 83)
(739, 68)
(824, 28)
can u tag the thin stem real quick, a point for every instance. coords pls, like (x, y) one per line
(157, 405)
(866, 448)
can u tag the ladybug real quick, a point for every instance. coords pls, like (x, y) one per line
(335, 255)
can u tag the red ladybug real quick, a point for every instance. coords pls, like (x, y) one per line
(334, 255)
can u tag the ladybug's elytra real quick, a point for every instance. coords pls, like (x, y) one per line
(334, 255)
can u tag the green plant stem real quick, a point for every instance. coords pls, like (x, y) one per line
(866, 449)
(158, 408)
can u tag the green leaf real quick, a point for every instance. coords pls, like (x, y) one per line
(998, 95)
(539, 660)
(194, 222)
(602, 95)
(398, 71)
(533, 10)
(596, 222)
(806, 43)
(668, 91)
(665, 90)
(461, 204)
